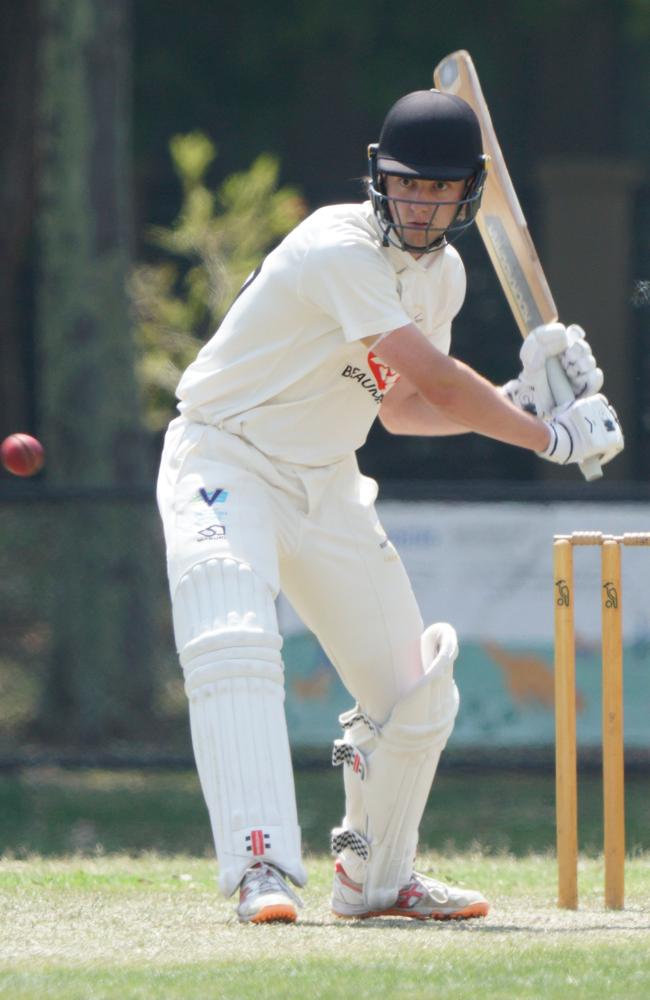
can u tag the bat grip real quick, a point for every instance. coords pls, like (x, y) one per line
(562, 393)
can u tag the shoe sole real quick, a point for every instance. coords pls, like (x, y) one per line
(467, 913)
(280, 913)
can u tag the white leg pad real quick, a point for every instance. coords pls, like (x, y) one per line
(229, 647)
(388, 773)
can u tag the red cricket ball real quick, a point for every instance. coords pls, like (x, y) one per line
(22, 454)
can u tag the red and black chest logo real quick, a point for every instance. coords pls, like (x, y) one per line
(384, 376)
(377, 381)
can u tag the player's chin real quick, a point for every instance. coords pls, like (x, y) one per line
(417, 233)
(419, 237)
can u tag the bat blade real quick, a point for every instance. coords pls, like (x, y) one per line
(500, 219)
(504, 231)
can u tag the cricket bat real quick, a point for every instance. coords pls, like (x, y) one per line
(504, 231)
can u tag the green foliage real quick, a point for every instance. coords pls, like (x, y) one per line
(218, 238)
(636, 22)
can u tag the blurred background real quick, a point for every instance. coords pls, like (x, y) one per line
(151, 152)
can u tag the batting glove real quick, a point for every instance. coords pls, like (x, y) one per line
(584, 429)
(530, 391)
(579, 364)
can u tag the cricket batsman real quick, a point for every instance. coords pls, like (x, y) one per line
(347, 320)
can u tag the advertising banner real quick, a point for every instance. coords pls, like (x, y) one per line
(487, 569)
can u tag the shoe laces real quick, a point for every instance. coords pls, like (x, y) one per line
(262, 878)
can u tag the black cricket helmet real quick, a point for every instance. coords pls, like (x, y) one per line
(433, 136)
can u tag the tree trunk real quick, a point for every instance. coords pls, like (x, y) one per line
(99, 681)
(17, 98)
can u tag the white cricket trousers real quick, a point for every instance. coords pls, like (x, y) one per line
(312, 533)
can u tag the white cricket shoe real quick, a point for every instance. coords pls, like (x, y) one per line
(422, 898)
(265, 897)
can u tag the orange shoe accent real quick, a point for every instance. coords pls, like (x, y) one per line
(475, 910)
(280, 913)
(468, 913)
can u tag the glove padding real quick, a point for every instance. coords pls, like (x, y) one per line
(531, 391)
(584, 429)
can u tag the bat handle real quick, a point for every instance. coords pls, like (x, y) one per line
(562, 393)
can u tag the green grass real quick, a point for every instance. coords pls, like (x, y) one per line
(108, 890)
(155, 927)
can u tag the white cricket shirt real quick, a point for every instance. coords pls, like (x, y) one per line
(287, 369)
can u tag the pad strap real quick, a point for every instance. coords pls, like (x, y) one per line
(343, 839)
(345, 753)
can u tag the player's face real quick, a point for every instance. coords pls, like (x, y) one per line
(422, 209)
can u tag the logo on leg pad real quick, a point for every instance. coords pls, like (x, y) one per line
(258, 842)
